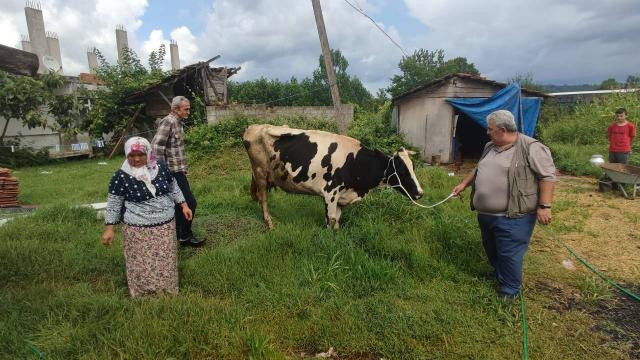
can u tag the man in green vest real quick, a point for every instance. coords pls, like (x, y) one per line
(512, 187)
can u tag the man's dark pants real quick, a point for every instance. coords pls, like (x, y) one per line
(618, 157)
(183, 226)
(505, 241)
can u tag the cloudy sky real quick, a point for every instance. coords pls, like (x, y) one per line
(568, 42)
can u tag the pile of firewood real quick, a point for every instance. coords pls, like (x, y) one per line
(8, 189)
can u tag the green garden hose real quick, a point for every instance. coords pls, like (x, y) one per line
(525, 351)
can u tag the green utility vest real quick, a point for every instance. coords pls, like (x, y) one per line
(523, 182)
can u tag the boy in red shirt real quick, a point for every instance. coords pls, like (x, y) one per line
(621, 134)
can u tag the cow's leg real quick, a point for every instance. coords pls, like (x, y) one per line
(338, 216)
(332, 212)
(254, 188)
(260, 180)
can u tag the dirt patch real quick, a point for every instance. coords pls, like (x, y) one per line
(624, 313)
(331, 354)
(606, 227)
(562, 299)
(618, 317)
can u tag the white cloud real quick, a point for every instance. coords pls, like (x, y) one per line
(271, 39)
(9, 34)
(279, 39)
(187, 46)
(156, 38)
(79, 24)
(570, 41)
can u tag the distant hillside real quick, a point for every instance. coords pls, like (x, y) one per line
(566, 88)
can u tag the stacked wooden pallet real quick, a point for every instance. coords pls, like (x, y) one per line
(8, 189)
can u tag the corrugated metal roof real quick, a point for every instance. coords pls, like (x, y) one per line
(592, 92)
(436, 82)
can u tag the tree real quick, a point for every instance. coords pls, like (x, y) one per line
(351, 88)
(109, 111)
(23, 99)
(313, 91)
(424, 66)
(632, 82)
(609, 84)
(526, 81)
(156, 59)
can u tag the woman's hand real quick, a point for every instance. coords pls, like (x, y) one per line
(108, 235)
(186, 211)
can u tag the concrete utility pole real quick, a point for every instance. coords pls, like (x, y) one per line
(328, 63)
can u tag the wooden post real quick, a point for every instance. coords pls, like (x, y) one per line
(124, 132)
(328, 64)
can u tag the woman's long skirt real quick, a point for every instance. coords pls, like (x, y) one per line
(151, 257)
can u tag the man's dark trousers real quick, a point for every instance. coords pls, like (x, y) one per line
(183, 226)
(505, 241)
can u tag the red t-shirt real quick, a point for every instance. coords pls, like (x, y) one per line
(621, 137)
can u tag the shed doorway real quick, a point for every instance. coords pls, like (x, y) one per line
(470, 138)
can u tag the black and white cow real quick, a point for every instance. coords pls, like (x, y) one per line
(337, 168)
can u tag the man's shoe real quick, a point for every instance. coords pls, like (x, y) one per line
(507, 298)
(194, 241)
(184, 242)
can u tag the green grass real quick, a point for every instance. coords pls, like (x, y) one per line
(396, 281)
(73, 182)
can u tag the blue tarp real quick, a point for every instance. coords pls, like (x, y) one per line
(508, 98)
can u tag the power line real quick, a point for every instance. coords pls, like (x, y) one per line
(378, 26)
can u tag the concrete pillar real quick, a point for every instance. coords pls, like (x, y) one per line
(175, 58)
(121, 41)
(53, 44)
(26, 44)
(92, 57)
(35, 25)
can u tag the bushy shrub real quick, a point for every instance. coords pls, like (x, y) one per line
(22, 156)
(228, 132)
(371, 128)
(575, 132)
(574, 159)
(374, 131)
(585, 123)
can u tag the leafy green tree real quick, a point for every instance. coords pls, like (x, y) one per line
(109, 110)
(424, 66)
(632, 82)
(526, 81)
(350, 87)
(22, 99)
(156, 59)
(609, 84)
(311, 91)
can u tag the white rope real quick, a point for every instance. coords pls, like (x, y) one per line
(395, 172)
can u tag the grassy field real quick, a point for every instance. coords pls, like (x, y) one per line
(396, 282)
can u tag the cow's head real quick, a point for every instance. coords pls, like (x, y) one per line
(400, 174)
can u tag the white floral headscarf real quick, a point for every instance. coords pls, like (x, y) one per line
(144, 173)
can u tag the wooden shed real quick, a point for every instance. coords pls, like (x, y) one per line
(209, 83)
(427, 120)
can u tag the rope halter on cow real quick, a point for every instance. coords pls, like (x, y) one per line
(395, 172)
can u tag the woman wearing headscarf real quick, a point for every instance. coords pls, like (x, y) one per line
(142, 195)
